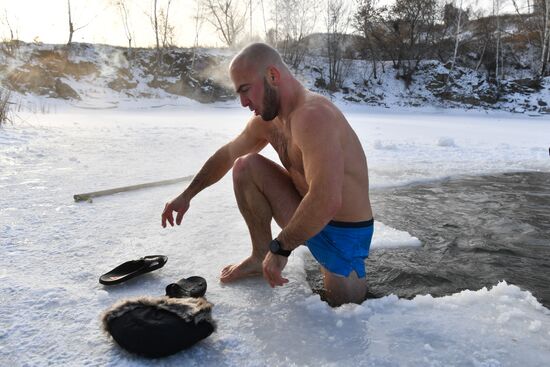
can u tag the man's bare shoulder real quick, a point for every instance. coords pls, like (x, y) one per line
(252, 139)
(257, 127)
(316, 114)
(316, 103)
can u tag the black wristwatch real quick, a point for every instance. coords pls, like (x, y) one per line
(275, 247)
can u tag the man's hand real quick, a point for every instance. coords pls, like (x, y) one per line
(272, 267)
(179, 205)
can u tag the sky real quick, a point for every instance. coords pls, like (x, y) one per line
(47, 21)
(100, 21)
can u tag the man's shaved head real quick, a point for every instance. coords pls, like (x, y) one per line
(258, 57)
(255, 69)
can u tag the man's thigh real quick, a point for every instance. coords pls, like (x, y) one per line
(275, 184)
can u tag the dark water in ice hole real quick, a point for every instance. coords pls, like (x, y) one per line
(475, 232)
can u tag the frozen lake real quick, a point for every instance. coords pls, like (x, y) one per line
(53, 250)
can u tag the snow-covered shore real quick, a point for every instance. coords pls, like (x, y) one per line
(92, 75)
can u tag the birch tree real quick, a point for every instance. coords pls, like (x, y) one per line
(168, 30)
(534, 19)
(228, 19)
(124, 11)
(153, 17)
(457, 38)
(72, 28)
(544, 9)
(496, 14)
(198, 21)
(164, 32)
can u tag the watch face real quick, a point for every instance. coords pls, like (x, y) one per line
(274, 246)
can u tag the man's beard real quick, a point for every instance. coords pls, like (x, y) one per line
(271, 102)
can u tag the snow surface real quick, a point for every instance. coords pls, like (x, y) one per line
(53, 250)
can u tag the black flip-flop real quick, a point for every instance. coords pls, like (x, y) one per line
(132, 269)
(187, 287)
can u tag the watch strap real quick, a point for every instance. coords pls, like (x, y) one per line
(276, 248)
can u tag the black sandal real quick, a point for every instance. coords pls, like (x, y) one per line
(194, 286)
(132, 269)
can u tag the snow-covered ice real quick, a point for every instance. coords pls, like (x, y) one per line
(53, 250)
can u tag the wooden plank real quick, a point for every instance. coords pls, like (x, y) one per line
(89, 195)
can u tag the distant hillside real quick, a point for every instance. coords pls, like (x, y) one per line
(92, 71)
(434, 84)
(84, 73)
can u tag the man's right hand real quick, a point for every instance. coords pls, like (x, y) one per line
(179, 205)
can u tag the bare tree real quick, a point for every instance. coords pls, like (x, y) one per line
(124, 10)
(227, 17)
(534, 19)
(337, 21)
(5, 106)
(545, 69)
(496, 14)
(457, 40)
(198, 20)
(296, 19)
(168, 30)
(264, 19)
(10, 44)
(411, 25)
(6, 22)
(164, 32)
(72, 28)
(275, 33)
(484, 32)
(543, 9)
(457, 17)
(250, 17)
(154, 22)
(523, 19)
(366, 21)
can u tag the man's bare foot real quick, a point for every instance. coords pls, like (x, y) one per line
(247, 268)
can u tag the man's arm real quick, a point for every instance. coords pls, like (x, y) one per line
(249, 141)
(319, 140)
(323, 158)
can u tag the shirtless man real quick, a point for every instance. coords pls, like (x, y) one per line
(320, 198)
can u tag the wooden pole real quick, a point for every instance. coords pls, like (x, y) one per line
(89, 195)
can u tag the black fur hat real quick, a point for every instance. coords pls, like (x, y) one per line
(158, 326)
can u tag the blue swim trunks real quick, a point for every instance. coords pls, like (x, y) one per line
(342, 247)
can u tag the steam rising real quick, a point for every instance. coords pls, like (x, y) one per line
(106, 73)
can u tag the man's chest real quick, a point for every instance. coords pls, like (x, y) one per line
(289, 153)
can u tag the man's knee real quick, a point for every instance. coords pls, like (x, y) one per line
(340, 290)
(244, 165)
